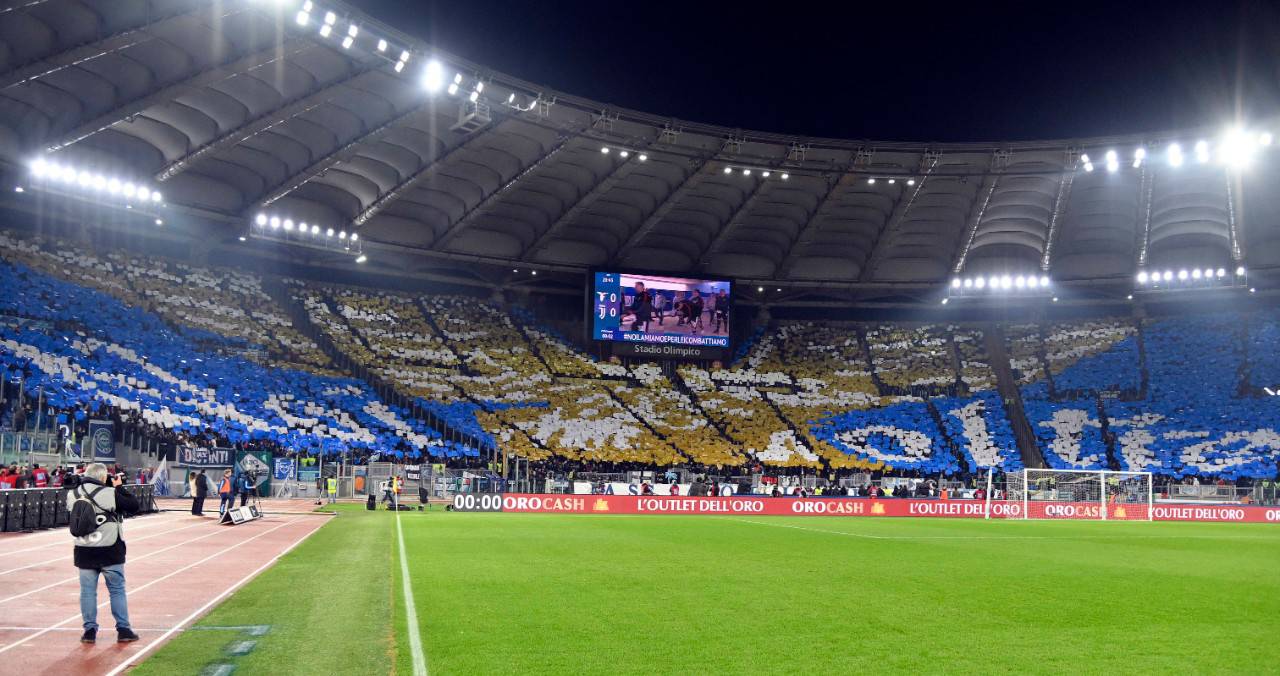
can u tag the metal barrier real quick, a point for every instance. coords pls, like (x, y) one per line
(31, 509)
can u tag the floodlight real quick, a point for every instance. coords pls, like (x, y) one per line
(361, 258)
(342, 235)
(1142, 277)
(1044, 281)
(1195, 274)
(1264, 138)
(1168, 275)
(328, 233)
(944, 301)
(1239, 270)
(99, 181)
(1175, 155)
(871, 181)
(144, 194)
(728, 170)
(288, 224)
(473, 96)
(399, 66)
(765, 174)
(155, 196)
(1221, 273)
(643, 157)
(604, 150)
(453, 89)
(325, 30)
(624, 154)
(1182, 275)
(1202, 151)
(968, 283)
(480, 87)
(892, 181)
(261, 219)
(1111, 156)
(84, 178)
(382, 45)
(353, 30)
(785, 176)
(275, 222)
(113, 186)
(1019, 281)
(433, 76)
(346, 42)
(159, 222)
(315, 229)
(955, 283)
(911, 181)
(746, 172)
(302, 18)
(404, 55)
(980, 282)
(129, 189)
(39, 167)
(1032, 282)
(1006, 282)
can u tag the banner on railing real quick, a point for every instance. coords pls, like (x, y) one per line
(762, 506)
(205, 457)
(102, 442)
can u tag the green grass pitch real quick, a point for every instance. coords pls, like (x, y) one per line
(520, 594)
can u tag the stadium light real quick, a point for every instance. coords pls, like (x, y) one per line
(159, 221)
(18, 188)
(643, 157)
(911, 181)
(1182, 275)
(765, 174)
(328, 233)
(342, 235)
(624, 154)
(1142, 277)
(968, 283)
(1019, 281)
(728, 170)
(325, 30)
(1264, 139)
(871, 181)
(1006, 282)
(604, 150)
(261, 219)
(746, 172)
(355, 236)
(944, 301)
(288, 225)
(473, 96)
(303, 17)
(1138, 156)
(453, 89)
(1222, 272)
(1195, 274)
(1175, 155)
(1236, 150)
(892, 181)
(382, 45)
(980, 282)
(955, 283)
(275, 222)
(1032, 282)
(347, 41)
(1202, 151)
(1240, 271)
(361, 258)
(242, 238)
(433, 76)
(1113, 162)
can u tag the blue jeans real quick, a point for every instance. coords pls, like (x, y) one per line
(114, 577)
(228, 502)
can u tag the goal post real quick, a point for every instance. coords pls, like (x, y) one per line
(1100, 495)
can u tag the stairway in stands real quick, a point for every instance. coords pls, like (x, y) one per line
(1007, 386)
(387, 391)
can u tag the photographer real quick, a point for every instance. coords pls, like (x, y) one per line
(102, 550)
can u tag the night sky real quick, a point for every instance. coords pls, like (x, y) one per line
(887, 71)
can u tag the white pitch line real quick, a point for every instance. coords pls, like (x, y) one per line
(158, 580)
(132, 659)
(410, 609)
(1006, 537)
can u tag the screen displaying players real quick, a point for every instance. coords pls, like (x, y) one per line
(637, 308)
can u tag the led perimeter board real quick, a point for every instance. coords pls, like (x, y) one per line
(657, 315)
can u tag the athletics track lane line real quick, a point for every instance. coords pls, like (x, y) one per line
(140, 558)
(158, 580)
(63, 556)
(59, 535)
(134, 658)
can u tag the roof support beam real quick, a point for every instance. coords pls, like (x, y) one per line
(735, 221)
(990, 182)
(688, 185)
(1233, 229)
(492, 198)
(793, 250)
(611, 178)
(346, 152)
(929, 162)
(1145, 189)
(1059, 207)
(426, 171)
(110, 44)
(220, 73)
(266, 121)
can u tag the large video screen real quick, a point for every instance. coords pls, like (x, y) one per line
(638, 308)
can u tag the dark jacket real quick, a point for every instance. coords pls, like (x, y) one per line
(202, 486)
(101, 557)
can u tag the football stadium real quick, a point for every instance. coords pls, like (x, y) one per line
(384, 360)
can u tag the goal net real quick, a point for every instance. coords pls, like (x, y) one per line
(1080, 494)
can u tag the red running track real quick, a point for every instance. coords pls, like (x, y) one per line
(179, 567)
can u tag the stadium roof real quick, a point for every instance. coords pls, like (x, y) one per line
(245, 107)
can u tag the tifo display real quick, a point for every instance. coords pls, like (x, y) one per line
(651, 309)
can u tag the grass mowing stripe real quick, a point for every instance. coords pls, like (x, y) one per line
(327, 602)
(410, 609)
